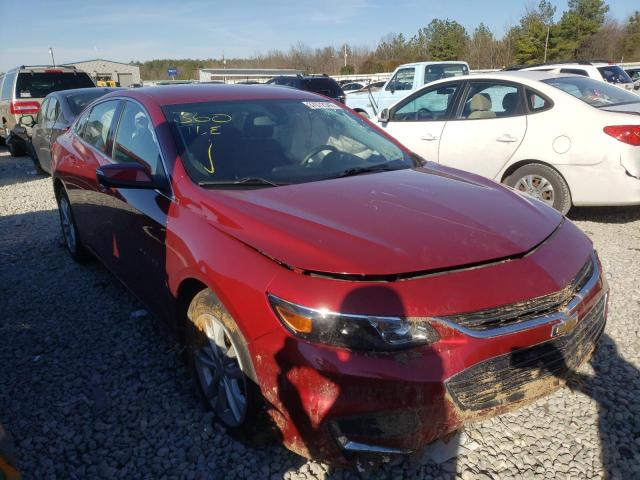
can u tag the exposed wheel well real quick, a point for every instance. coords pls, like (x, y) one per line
(522, 163)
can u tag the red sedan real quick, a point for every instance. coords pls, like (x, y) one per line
(325, 280)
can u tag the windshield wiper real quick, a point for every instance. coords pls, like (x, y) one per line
(350, 172)
(241, 181)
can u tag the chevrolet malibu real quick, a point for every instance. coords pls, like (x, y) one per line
(330, 286)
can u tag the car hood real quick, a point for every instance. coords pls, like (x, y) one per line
(389, 223)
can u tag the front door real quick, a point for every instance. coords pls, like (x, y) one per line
(488, 128)
(139, 216)
(417, 122)
(44, 135)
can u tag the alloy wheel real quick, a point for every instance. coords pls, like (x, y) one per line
(220, 374)
(68, 228)
(538, 187)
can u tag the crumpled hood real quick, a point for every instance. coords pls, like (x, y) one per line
(384, 223)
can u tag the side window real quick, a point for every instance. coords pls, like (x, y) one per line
(41, 113)
(575, 71)
(402, 80)
(82, 121)
(52, 110)
(491, 100)
(135, 140)
(430, 105)
(536, 102)
(96, 130)
(7, 86)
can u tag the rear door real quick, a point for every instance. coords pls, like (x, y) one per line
(50, 110)
(39, 130)
(417, 122)
(90, 149)
(487, 129)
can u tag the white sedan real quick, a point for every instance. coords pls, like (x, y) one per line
(564, 139)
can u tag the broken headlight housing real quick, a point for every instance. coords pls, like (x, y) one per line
(356, 332)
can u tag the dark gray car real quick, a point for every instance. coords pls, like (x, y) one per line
(58, 111)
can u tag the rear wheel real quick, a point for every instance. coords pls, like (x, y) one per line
(222, 368)
(544, 183)
(70, 231)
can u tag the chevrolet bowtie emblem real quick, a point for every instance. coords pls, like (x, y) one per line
(565, 326)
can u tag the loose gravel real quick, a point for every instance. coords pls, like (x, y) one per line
(90, 387)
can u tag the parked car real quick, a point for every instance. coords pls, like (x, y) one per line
(352, 87)
(373, 86)
(22, 90)
(602, 71)
(57, 112)
(323, 278)
(405, 79)
(634, 73)
(565, 139)
(321, 84)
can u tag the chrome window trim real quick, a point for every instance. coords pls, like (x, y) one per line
(534, 322)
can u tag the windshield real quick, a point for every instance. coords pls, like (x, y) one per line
(77, 102)
(277, 142)
(614, 74)
(39, 85)
(595, 93)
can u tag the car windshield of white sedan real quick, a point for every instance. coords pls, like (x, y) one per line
(278, 142)
(595, 93)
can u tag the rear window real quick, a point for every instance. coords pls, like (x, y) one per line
(41, 84)
(594, 92)
(614, 74)
(323, 86)
(81, 100)
(447, 70)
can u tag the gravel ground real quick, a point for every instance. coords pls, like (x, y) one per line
(90, 390)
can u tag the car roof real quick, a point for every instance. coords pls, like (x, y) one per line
(77, 91)
(198, 93)
(514, 75)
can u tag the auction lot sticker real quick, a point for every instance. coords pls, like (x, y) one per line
(322, 105)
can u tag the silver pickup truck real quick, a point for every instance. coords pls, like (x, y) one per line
(405, 79)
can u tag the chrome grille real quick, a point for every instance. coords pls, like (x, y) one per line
(526, 310)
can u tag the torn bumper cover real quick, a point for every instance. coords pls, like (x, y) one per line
(335, 405)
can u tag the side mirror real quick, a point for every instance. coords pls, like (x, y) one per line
(127, 175)
(384, 115)
(27, 121)
(393, 87)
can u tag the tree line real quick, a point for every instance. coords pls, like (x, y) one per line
(584, 31)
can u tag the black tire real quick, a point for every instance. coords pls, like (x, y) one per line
(16, 147)
(69, 230)
(535, 175)
(2, 142)
(205, 308)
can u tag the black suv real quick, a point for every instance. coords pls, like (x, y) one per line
(313, 83)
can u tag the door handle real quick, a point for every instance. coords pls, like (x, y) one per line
(506, 138)
(429, 137)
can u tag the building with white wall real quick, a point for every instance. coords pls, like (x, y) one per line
(100, 69)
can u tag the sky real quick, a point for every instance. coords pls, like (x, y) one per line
(126, 30)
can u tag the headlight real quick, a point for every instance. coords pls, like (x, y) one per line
(357, 332)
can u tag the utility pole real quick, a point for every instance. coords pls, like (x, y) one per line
(345, 55)
(53, 60)
(546, 44)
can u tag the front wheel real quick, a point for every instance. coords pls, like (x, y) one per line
(544, 183)
(221, 365)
